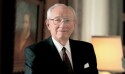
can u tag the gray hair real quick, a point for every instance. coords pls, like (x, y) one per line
(56, 5)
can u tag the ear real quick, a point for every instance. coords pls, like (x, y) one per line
(47, 23)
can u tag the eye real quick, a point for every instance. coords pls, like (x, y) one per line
(57, 20)
(67, 20)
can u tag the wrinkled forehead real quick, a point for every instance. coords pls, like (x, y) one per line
(62, 11)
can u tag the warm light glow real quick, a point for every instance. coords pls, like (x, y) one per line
(104, 72)
(109, 52)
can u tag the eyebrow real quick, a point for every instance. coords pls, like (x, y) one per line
(62, 17)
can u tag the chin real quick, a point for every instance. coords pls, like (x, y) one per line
(63, 37)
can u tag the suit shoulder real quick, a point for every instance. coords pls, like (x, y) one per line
(80, 42)
(34, 46)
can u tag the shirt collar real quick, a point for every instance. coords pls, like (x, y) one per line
(59, 46)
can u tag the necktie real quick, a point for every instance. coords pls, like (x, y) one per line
(67, 61)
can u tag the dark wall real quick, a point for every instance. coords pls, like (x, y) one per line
(123, 6)
(0, 34)
(7, 24)
(123, 22)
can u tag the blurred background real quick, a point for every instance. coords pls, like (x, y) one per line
(22, 22)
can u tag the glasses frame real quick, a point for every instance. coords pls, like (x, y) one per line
(57, 21)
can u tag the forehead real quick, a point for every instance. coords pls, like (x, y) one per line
(62, 11)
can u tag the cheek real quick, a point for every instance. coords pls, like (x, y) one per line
(52, 29)
(71, 27)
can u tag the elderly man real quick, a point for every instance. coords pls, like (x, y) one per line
(59, 54)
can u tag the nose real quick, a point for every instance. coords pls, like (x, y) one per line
(62, 24)
(63, 21)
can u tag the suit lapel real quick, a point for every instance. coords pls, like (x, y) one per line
(77, 55)
(54, 50)
(73, 54)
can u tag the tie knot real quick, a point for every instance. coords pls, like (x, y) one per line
(64, 49)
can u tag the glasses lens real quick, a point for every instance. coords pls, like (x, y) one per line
(57, 21)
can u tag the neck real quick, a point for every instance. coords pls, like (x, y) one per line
(28, 34)
(62, 41)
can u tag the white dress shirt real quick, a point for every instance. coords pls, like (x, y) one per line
(59, 48)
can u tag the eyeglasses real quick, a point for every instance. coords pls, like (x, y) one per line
(57, 21)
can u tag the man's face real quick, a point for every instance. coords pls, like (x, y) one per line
(62, 23)
(26, 24)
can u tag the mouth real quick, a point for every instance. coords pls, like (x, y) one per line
(62, 31)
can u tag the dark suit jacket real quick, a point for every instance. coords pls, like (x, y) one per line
(43, 58)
